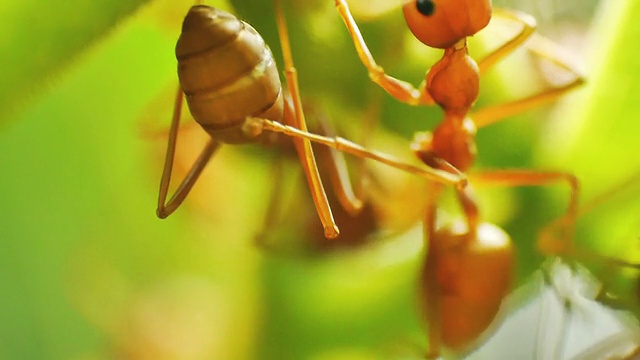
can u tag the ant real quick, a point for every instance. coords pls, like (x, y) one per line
(469, 264)
(228, 76)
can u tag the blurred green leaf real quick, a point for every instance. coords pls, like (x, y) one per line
(597, 126)
(594, 134)
(39, 39)
(73, 170)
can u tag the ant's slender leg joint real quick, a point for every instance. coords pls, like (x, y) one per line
(399, 89)
(350, 147)
(470, 208)
(557, 237)
(167, 208)
(335, 165)
(164, 210)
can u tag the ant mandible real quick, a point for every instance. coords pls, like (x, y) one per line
(233, 91)
(469, 263)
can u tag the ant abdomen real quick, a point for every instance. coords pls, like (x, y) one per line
(467, 274)
(227, 73)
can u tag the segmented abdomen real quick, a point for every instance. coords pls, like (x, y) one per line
(226, 71)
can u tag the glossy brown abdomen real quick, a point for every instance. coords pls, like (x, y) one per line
(226, 72)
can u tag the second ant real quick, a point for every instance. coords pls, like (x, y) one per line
(470, 262)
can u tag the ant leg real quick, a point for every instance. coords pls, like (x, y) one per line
(167, 208)
(540, 46)
(372, 115)
(336, 166)
(334, 163)
(592, 204)
(297, 120)
(548, 242)
(148, 126)
(399, 89)
(469, 206)
(529, 25)
(438, 176)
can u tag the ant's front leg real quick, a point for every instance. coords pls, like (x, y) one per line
(399, 89)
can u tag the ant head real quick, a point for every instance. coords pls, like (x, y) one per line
(442, 23)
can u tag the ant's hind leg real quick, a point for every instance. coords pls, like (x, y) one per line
(167, 208)
(560, 240)
(585, 255)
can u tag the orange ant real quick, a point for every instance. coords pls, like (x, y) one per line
(233, 91)
(469, 264)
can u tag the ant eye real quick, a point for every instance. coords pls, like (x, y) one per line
(425, 7)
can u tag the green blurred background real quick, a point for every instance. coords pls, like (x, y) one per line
(88, 272)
